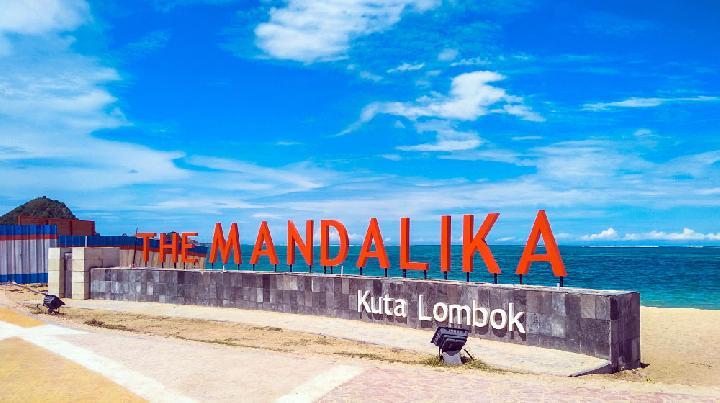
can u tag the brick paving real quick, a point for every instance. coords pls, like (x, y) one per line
(398, 385)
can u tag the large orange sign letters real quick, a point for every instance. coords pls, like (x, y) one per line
(373, 247)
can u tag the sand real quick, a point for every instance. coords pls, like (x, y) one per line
(26, 366)
(679, 345)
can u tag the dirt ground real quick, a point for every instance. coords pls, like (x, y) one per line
(677, 345)
(223, 333)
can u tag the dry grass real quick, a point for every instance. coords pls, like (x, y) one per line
(226, 333)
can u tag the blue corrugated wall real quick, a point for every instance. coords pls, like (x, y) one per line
(24, 249)
(24, 252)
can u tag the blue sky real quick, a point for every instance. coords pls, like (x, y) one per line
(172, 115)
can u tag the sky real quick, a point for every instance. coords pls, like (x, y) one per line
(176, 114)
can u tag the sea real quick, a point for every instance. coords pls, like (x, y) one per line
(665, 276)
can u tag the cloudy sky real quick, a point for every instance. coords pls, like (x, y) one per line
(172, 115)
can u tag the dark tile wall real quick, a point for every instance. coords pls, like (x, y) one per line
(603, 324)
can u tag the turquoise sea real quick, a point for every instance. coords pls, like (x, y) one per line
(665, 276)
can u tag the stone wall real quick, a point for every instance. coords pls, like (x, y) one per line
(603, 324)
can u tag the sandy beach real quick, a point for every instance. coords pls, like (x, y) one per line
(679, 346)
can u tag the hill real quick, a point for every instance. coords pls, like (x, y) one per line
(40, 207)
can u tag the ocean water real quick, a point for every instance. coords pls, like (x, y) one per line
(664, 276)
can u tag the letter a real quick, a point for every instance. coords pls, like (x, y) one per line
(373, 235)
(541, 227)
(264, 238)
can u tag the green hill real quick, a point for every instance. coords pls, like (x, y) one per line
(40, 207)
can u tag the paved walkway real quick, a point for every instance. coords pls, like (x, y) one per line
(514, 357)
(48, 362)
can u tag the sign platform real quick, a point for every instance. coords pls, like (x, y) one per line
(603, 324)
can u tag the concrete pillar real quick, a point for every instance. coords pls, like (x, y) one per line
(56, 271)
(84, 259)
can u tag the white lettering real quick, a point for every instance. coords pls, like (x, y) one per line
(456, 312)
(386, 305)
(483, 311)
(421, 309)
(400, 308)
(503, 319)
(362, 301)
(515, 319)
(438, 317)
(376, 305)
(474, 315)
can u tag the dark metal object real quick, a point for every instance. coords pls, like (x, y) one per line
(521, 280)
(52, 303)
(404, 273)
(561, 281)
(450, 342)
(495, 278)
(467, 277)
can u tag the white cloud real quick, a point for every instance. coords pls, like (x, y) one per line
(471, 96)
(391, 157)
(366, 75)
(41, 16)
(447, 138)
(475, 61)
(526, 138)
(448, 54)
(607, 234)
(287, 143)
(638, 102)
(686, 234)
(523, 112)
(310, 31)
(489, 154)
(406, 67)
(249, 176)
(52, 100)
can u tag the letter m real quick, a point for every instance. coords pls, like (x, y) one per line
(219, 243)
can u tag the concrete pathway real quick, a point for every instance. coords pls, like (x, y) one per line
(513, 357)
(55, 363)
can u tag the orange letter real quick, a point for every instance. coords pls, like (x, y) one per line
(541, 226)
(233, 241)
(185, 246)
(145, 236)
(373, 233)
(325, 242)
(405, 262)
(173, 246)
(264, 238)
(477, 243)
(306, 247)
(445, 243)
